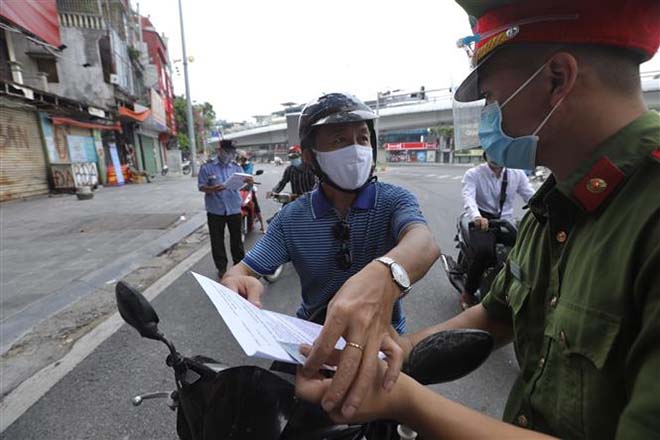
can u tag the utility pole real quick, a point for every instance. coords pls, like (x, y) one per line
(191, 121)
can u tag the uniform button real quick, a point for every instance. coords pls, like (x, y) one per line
(522, 420)
(541, 362)
(561, 236)
(596, 185)
(553, 301)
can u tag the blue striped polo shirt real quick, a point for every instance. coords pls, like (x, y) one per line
(303, 233)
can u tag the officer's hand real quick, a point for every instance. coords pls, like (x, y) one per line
(269, 194)
(361, 312)
(249, 180)
(481, 223)
(218, 188)
(248, 287)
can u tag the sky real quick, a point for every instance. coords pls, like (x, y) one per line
(250, 56)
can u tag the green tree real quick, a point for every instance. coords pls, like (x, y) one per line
(203, 116)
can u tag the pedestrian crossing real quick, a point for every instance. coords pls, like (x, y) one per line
(400, 172)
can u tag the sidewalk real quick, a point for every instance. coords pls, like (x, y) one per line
(57, 250)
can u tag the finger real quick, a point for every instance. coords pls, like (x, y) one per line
(394, 359)
(334, 326)
(253, 290)
(348, 367)
(310, 389)
(333, 360)
(362, 379)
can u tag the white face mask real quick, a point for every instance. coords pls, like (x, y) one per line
(348, 167)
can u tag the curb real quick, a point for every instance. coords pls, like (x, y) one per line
(16, 403)
(17, 325)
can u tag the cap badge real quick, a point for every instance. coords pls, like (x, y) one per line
(596, 185)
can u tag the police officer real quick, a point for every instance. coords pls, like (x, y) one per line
(580, 293)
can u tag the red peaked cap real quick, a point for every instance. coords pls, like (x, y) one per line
(632, 24)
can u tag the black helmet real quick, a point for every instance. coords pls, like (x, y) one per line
(335, 108)
(227, 144)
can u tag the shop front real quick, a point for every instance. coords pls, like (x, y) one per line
(411, 152)
(23, 169)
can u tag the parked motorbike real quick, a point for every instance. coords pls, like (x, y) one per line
(186, 167)
(214, 401)
(165, 170)
(505, 236)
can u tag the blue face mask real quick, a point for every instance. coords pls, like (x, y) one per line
(296, 162)
(504, 150)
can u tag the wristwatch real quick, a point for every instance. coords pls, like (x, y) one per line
(399, 275)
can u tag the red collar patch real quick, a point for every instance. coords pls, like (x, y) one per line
(656, 154)
(598, 184)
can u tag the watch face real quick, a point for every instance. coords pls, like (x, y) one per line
(400, 275)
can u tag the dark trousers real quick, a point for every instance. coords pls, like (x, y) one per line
(217, 231)
(483, 246)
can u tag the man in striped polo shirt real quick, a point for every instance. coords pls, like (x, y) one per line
(357, 244)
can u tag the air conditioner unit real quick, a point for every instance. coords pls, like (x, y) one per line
(114, 78)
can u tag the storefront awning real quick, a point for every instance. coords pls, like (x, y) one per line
(136, 116)
(91, 125)
(38, 17)
(411, 146)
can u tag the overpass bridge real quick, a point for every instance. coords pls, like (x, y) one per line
(435, 110)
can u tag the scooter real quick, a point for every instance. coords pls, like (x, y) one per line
(505, 236)
(186, 167)
(248, 211)
(214, 401)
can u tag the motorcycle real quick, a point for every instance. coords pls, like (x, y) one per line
(248, 211)
(165, 170)
(505, 236)
(186, 167)
(214, 401)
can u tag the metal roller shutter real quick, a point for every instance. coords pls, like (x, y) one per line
(23, 171)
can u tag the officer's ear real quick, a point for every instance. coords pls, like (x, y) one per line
(564, 69)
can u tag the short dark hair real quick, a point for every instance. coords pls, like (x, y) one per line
(617, 68)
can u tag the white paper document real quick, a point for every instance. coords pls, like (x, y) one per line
(236, 181)
(261, 333)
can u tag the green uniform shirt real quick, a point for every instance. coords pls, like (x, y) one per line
(581, 289)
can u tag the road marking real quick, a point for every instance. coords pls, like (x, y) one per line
(457, 177)
(444, 176)
(430, 175)
(29, 392)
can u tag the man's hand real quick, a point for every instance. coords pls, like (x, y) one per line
(269, 194)
(361, 312)
(378, 403)
(481, 223)
(249, 180)
(248, 287)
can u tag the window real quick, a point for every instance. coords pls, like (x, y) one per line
(49, 67)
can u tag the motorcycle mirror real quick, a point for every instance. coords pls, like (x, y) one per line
(136, 311)
(259, 172)
(448, 355)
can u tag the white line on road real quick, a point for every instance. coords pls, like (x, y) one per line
(457, 177)
(444, 176)
(430, 175)
(29, 392)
